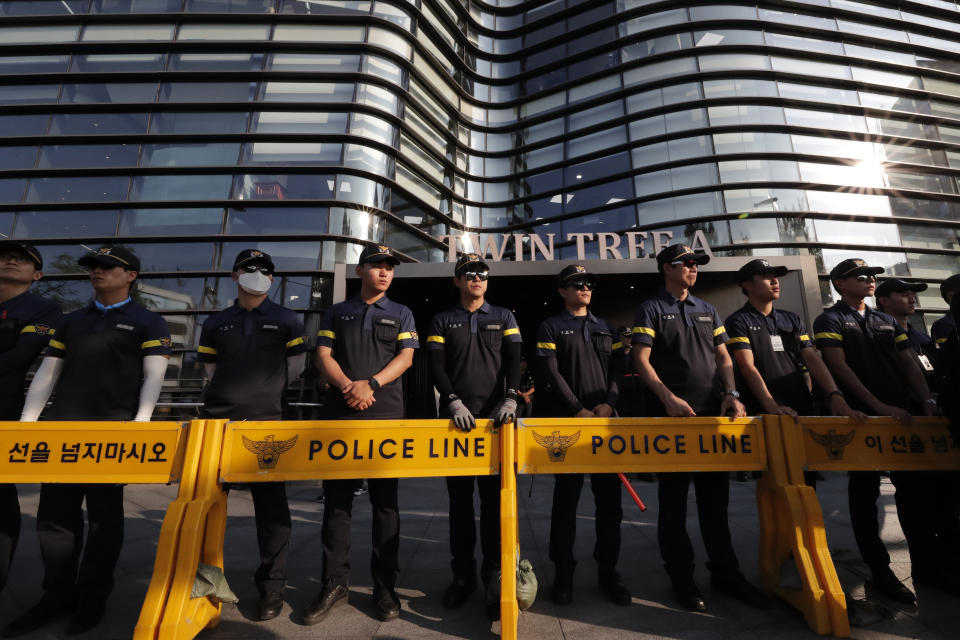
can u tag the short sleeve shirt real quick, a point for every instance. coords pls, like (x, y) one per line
(26, 323)
(472, 345)
(584, 347)
(250, 349)
(775, 341)
(870, 345)
(683, 337)
(364, 339)
(103, 354)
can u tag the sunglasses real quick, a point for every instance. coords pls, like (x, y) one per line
(865, 278)
(251, 268)
(687, 263)
(580, 285)
(475, 275)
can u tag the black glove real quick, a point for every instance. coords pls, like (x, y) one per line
(462, 418)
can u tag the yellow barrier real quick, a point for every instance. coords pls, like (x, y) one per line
(509, 534)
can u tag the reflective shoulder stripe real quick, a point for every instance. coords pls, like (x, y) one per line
(439, 339)
(547, 345)
(826, 335)
(210, 350)
(510, 332)
(617, 345)
(901, 338)
(719, 330)
(56, 344)
(295, 342)
(647, 330)
(804, 337)
(406, 335)
(738, 339)
(323, 333)
(149, 344)
(29, 329)
(941, 340)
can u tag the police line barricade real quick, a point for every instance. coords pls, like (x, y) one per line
(838, 444)
(574, 445)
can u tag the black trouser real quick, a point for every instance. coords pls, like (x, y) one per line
(713, 496)
(272, 515)
(463, 530)
(9, 529)
(336, 531)
(525, 409)
(608, 515)
(915, 497)
(60, 529)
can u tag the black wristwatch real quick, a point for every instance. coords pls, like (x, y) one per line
(733, 394)
(837, 392)
(373, 383)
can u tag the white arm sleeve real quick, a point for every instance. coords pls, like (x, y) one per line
(154, 368)
(40, 388)
(295, 366)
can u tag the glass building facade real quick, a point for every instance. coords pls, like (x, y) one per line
(190, 129)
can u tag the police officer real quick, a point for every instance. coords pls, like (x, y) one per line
(679, 353)
(578, 354)
(26, 323)
(107, 362)
(898, 298)
(250, 352)
(474, 351)
(872, 360)
(941, 328)
(772, 348)
(364, 345)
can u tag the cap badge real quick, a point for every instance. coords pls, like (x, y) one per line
(103, 251)
(256, 254)
(383, 248)
(580, 269)
(859, 262)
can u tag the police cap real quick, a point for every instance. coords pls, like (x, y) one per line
(891, 285)
(23, 247)
(110, 256)
(853, 267)
(680, 252)
(759, 267)
(375, 253)
(252, 255)
(575, 272)
(472, 261)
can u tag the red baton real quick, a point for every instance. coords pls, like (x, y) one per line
(633, 494)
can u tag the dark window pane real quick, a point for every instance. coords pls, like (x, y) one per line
(216, 62)
(29, 94)
(17, 157)
(287, 256)
(285, 220)
(119, 62)
(186, 122)
(135, 6)
(88, 155)
(33, 64)
(596, 169)
(231, 6)
(190, 155)
(599, 195)
(43, 7)
(113, 92)
(170, 222)
(94, 189)
(69, 294)
(207, 91)
(26, 125)
(6, 223)
(180, 187)
(173, 294)
(63, 259)
(613, 220)
(11, 190)
(186, 256)
(65, 224)
(280, 187)
(89, 123)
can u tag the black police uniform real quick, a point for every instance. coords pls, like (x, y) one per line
(941, 329)
(250, 349)
(364, 338)
(102, 351)
(776, 341)
(870, 344)
(683, 336)
(474, 352)
(26, 323)
(578, 356)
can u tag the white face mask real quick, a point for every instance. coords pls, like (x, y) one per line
(254, 283)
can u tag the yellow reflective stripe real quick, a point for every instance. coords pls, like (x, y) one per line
(295, 342)
(406, 335)
(900, 338)
(510, 332)
(149, 344)
(56, 344)
(742, 339)
(210, 350)
(439, 339)
(826, 335)
(547, 345)
(617, 345)
(718, 331)
(647, 330)
(323, 333)
(941, 340)
(804, 337)
(33, 329)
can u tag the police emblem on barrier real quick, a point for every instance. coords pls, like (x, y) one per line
(832, 441)
(268, 450)
(556, 444)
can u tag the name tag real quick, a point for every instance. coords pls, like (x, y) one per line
(777, 343)
(925, 362)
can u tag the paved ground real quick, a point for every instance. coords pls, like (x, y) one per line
(425, 573)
